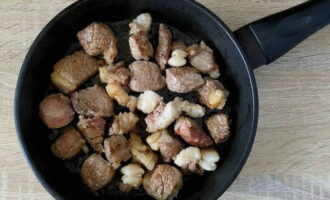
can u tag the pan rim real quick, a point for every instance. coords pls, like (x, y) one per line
(24, 68)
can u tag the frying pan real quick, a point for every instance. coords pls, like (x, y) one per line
(239, 52)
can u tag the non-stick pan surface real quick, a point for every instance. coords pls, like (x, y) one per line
(189, 21)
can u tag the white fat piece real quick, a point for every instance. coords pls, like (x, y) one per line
(153, 140)
(188, 156)
(141, 23)
(132, 175)
(148, 101)
(178, 58)
(209, 158)
(190, 109)
(172, 111)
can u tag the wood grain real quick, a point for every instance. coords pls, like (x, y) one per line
(291, 155)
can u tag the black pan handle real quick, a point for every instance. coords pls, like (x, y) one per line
(269, 38)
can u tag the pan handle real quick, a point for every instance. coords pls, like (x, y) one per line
(269, 38)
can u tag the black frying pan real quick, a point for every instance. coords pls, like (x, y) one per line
(251, 46)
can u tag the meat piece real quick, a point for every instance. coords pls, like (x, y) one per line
(73, 70)
(164, 115)
(56, 111)
(178, 44)
(116, 74)
(96, 172)
(141, 152)
(188, 160)
(98, 38)
(213, 94)
(92, 101)
(123, 123)
(69, 144)
(183, 80)
(201, 57)
(218, 126)
(164, 182)
(117, 149)
(209, 158)
(145, 76)
(164, 46)
(169, 147)
(93, 131)
(118, 93)
(141, 47)
(132, 175)
(148, 101)
(191, 133)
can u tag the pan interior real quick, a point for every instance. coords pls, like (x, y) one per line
(121, 30)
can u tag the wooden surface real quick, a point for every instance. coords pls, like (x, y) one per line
(291, 155)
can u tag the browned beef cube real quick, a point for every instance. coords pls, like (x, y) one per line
(164, 182)
(98, 38)
(183, 79)
(73, 70)
(69, 144)
(56, 111)
(218, 126)
(191, 133)
(92, 101)
(96, 172)
(145, 76)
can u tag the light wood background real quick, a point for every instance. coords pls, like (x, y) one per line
(291, 155)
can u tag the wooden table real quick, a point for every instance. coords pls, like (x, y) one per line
(291, 155)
